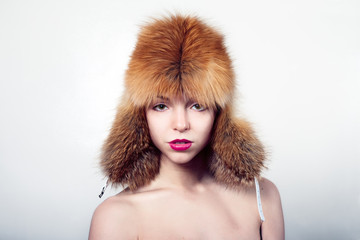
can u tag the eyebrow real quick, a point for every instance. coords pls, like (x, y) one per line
(163, 98)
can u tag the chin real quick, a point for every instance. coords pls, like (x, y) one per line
(180, 157)
(183, 161)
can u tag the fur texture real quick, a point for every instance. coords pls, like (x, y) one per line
(128, 156)
(179, 56)
(237, 155)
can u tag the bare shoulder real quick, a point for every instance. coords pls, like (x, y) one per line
(269, 191)
(273, 227)
(114, 219)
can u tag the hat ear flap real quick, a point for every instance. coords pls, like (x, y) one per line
(237, 155)
(128, 156)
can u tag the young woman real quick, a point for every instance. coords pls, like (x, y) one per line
(191, 170)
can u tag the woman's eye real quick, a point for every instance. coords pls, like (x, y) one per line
(160, 107)
(198, 107)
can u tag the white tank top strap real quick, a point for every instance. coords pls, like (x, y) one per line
(258, 198)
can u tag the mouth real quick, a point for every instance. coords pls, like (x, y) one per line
(180, 144)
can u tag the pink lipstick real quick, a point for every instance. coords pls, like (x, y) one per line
(180, 144)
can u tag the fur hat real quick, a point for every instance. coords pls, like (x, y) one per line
(179, 55)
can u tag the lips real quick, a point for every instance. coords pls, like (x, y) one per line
(180, 144)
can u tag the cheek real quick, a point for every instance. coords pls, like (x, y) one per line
(151, 126)
(205, 126)
(151, 121)
(156, 127)
(154, 134)
(209, 128)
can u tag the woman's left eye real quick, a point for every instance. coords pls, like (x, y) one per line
(160, 107)
(198, 107)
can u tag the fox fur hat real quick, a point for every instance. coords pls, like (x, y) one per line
(174, 56)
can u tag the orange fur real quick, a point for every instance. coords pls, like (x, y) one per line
(179, 56)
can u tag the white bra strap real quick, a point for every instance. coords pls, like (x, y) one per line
(258, 198)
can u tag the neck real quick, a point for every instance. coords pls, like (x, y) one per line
(187, 176)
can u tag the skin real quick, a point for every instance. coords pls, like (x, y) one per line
(184, 201)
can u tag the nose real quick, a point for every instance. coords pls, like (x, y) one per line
(181, 122)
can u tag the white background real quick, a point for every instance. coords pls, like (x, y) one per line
(61, 70)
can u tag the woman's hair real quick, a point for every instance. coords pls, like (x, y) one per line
(179, 56)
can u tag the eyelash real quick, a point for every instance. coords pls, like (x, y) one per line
(162, 107)
(198, 106)
(156, 107)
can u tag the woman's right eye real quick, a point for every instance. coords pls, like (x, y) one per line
(160, 107)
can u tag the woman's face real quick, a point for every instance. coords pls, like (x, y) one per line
(179, 128)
